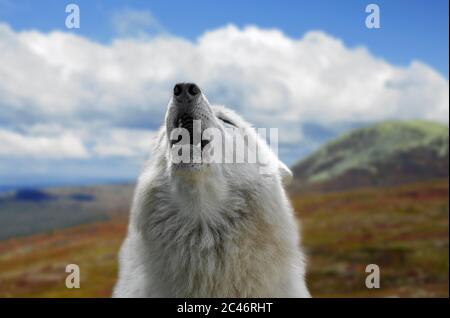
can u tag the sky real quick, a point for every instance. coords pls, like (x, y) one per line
(81, 105)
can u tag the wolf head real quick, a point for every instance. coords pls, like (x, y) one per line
(204, 139)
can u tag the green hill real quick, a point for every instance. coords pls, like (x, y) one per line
(387, 153)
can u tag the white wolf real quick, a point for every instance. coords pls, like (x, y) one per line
(210, 229)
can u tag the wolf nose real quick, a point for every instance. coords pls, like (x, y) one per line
(186, 92)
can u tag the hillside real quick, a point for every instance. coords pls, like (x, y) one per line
(385, 154)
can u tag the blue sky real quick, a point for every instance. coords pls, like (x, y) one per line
(81, 105)
(410, 30)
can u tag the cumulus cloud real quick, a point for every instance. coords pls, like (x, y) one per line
(122, 143)
(108, 98)
(56, 147)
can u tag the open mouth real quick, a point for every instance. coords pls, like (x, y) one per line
(186, 121)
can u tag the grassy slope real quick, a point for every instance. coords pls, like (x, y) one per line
(35, 266)
(361, 148)
(404, 230)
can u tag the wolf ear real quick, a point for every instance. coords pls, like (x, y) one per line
(285, 173)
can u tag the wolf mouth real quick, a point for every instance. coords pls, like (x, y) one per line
(186, 121)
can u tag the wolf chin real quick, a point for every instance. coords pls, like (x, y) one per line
(210, 229)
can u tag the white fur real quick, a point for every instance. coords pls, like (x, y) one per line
(219, 230)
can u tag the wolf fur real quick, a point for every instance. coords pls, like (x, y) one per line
(211, 230)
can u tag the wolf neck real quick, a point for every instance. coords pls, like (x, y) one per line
(201, 193)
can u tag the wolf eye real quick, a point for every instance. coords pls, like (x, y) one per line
(226, 121)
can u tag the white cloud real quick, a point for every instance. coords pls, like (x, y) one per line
(13, 144)
(131, 22)
(123, 143)
(79, 85)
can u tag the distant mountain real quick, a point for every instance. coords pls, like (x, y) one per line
(30, 211)
(387, 153)
(32, 195)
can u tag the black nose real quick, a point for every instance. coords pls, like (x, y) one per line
(186, 92)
